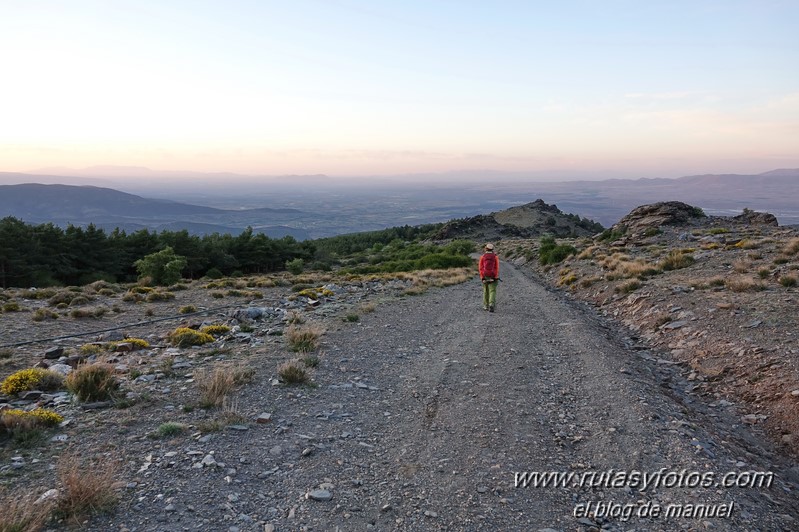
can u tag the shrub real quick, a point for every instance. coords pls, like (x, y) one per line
(763, 273)
(609, 235)
(163, 267)
(293, 372)
(11, 306)
(169, 429)
(676, 260)
(788, 281)
(86, 488)
(179, 287)
(64, 296)
(6, 353)
(295, 266)
(78, 313)
(40, 416)
(652, 231)
(144, 290)
(91, 349)
(132, 297)
(93, 382)
(215, 330)
(137, 343)
(549, 252)
(26, 428)
(42, 314)
(160, 296)
(217, 295)
(79, 300)
(31, 379)
(188, 309)
(311, 361)
(629, 286)
(214, 273)
(185, 337)
(303, 339)
(352, 318)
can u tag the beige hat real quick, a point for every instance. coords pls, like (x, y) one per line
(489, 247)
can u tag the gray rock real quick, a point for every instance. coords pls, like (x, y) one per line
(673, 325)
(54, 353)
(63, 369)
(320, 495)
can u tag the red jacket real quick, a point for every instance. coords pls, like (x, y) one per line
(489, 266)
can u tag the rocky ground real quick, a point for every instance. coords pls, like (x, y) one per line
(424, 414)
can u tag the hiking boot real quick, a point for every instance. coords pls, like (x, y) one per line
(485, 307)
(491, 308)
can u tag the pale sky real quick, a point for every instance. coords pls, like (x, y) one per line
(652, 88)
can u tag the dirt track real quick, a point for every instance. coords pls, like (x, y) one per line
(425, 411)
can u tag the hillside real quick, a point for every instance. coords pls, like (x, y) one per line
(524, 221)
(714, 295)
(109, 208)
(422, 412)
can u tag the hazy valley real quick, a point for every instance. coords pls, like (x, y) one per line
(320, 206)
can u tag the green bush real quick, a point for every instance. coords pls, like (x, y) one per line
(163, 267)
(550, 252)
(295, 266)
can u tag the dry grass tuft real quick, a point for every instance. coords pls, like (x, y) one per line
(791, 247)
(366, 308)
(93, 382)
(293, 372)
(303, 339)
(86, 487)
(676, 260)
(21, 513)
(214, 385)
(217, 383)
(743, 284)
(741, 266)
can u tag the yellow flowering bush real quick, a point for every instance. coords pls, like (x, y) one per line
(39, 416)
(185, 337)
(30, 379)
(215, 330)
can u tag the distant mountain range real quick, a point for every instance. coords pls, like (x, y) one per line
(317, 205)
(108, 208)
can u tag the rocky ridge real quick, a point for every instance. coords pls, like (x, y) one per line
(715, 295)
(523, 221)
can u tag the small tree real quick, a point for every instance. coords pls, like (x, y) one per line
(163, 267)
(295, 266)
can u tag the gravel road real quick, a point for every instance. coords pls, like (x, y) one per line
(427, 412)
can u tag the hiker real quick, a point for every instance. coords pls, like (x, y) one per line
(489, 275)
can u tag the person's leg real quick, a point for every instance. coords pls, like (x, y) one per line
(485, 295)
(492, 294)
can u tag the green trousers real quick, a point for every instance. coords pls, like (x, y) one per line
(490, 293)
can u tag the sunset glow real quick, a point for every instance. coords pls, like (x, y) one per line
(372, 88)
